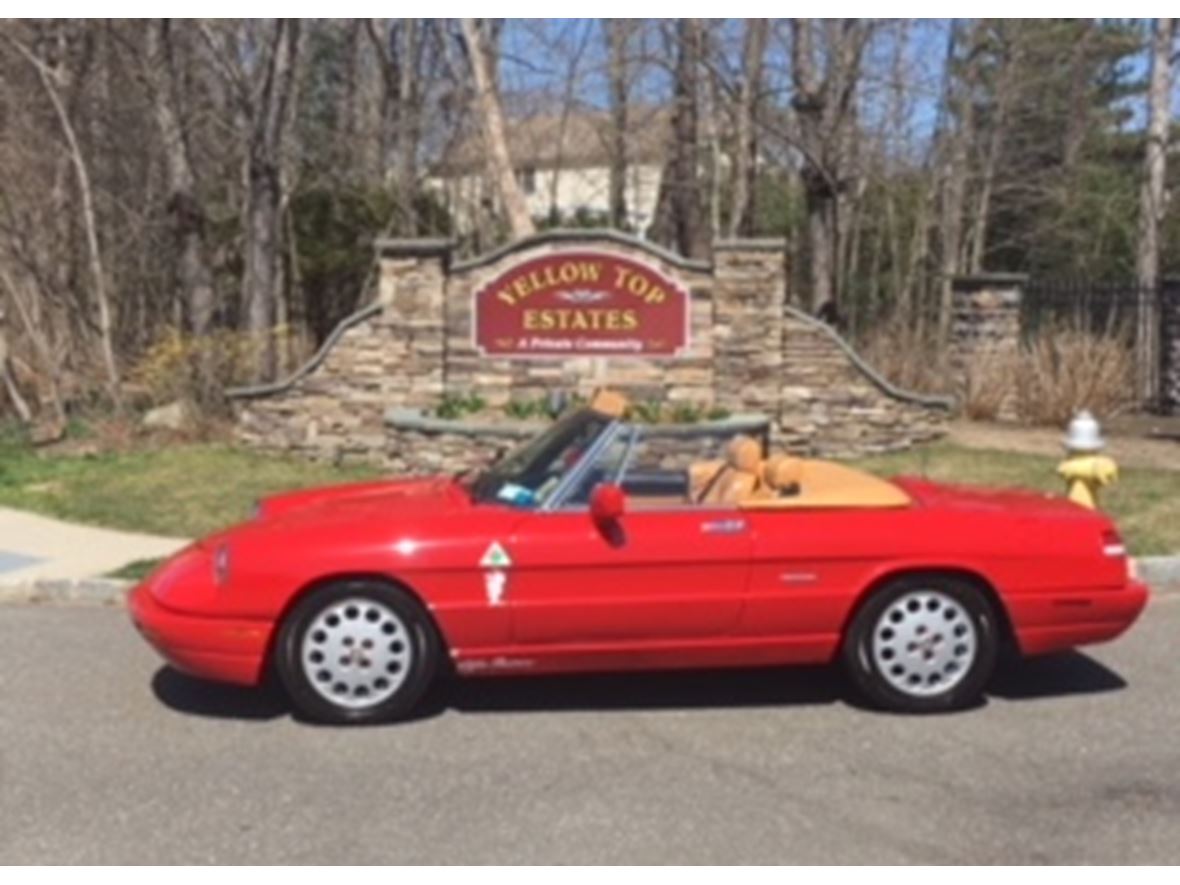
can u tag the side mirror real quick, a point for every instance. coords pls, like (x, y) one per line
(607, 503)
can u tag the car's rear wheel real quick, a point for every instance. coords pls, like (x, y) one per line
(923, 644)
(357, 652)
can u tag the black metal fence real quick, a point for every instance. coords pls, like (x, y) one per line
(1146, 320)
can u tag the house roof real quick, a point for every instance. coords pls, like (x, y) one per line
(577, 139)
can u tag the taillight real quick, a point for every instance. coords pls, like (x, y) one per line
(1112, 544)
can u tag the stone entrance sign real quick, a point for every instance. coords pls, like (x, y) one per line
(573, 311)
(581, 303)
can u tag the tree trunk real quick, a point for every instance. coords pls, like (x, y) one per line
(818, 189)
(954, 160)
(409, 130)
(184, 206)
(491, 118)
(744, 151)
(1151, 200)
(35, 331)
(89, 226)
(264, 195)
(684, 224)
(617, 31)
(712, 132)
(18, 401)
(1005, 88)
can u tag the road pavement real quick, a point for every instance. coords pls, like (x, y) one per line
(105, 756)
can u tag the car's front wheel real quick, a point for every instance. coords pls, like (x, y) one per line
(356, 652)
(923, 644)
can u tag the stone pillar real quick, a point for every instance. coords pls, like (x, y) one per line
(985, 342)
(1170, 346)
(412, 276)
(750, 289)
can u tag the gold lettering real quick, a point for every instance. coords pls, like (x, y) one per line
(590, 271)
(630, 320)
(506, 296)
(521, 287)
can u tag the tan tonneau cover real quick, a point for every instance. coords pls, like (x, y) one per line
(825, 484)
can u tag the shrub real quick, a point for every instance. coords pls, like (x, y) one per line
(1064, 370)
(198, 369)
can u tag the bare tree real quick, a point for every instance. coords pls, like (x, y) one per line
(1151, 194)
(185, 206)
(50, 79)
(825, 88)
(1008, 63)
(679, 211)
(18, 402)
(957, 138)
(260, 79)
(617, 33)
(491, 118)
(745, 148)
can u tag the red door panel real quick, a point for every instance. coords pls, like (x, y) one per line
(809, 567)
(678, 574)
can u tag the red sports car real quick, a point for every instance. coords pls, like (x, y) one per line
(606, 545)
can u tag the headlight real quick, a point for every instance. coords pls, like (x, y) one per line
(221, 564)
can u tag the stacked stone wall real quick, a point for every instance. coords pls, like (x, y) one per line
(748, 353)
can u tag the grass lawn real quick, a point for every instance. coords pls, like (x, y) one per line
(189, 490)
(182, 490)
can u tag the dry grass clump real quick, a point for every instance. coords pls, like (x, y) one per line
(906, 355)
(1064, 370)
(1043, 381)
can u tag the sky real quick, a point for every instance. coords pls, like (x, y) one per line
(540, 55)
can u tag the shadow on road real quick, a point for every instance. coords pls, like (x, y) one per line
(1055, 675)
(1067, 673)
(199, 697)
(649, 691)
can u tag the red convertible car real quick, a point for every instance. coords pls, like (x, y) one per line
(605, 545)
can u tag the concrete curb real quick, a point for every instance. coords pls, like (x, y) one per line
(47, 591)
(1162, 574)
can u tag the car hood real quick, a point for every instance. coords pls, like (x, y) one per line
(425, 496)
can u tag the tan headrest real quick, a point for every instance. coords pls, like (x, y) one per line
(744, 453)
(609, 403)
(782, 472)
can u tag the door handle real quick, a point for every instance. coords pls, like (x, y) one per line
(723, 526)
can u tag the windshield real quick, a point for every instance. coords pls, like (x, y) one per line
(529, 475)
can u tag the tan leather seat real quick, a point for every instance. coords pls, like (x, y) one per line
(700, 475)
(782, 475)
(739, 477)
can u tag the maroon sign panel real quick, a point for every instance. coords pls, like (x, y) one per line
(584, 304)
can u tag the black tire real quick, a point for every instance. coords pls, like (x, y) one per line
(414, 631)
(951, 599)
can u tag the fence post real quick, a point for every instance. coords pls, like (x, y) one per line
(985, 339)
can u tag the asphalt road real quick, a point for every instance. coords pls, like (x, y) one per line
(107, 757)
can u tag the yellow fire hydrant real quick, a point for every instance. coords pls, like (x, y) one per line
(1085, 470)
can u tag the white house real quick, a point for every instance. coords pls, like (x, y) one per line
(562, 162)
